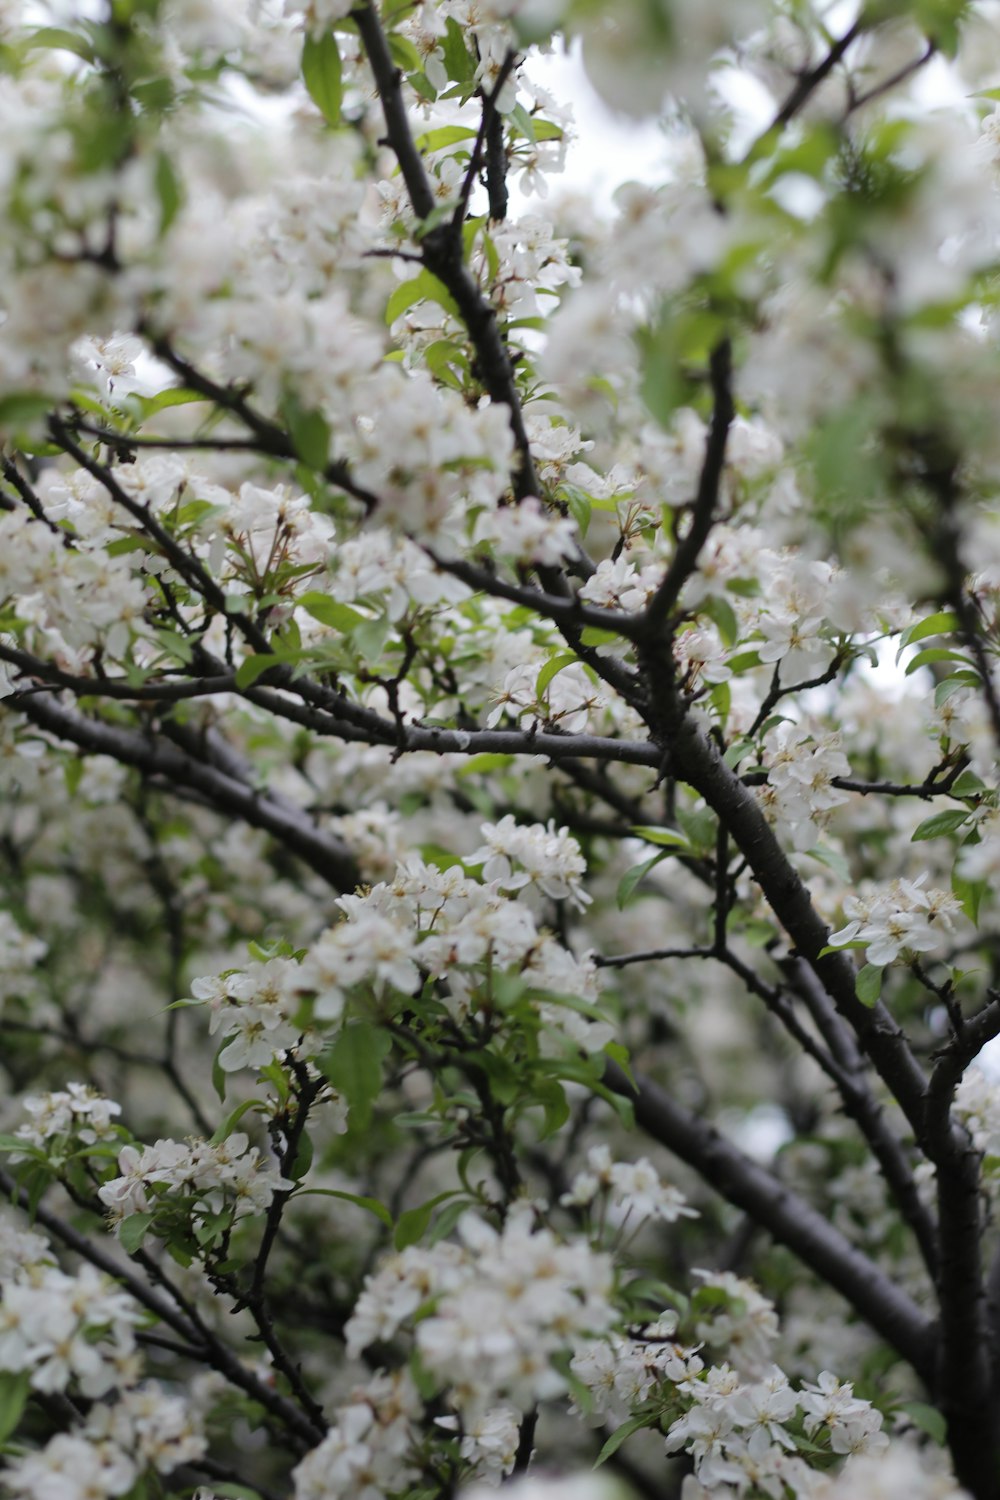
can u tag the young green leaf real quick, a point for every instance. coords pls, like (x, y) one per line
(322, 73)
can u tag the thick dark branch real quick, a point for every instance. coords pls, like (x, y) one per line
(840, 1061)
(685, 559)
(787, 1217)
(276, 815)
(388, 82)
(443, 249)
(965, 1387)
(116, 687)
(525, 1442)
(696, 759)
(490, 118)
(496, 168)
(861, 1105)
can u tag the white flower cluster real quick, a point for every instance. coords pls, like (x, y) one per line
(741, 1321)
(977, 1105)
(528, 534)
(583, 1486)
(442, 922)
(799, 789)
(66, 1329)
(738, 1419)
(737, 1431)
(490, 1438)
(426, 921)
(566, 703)
(255, 1007)
(622, 1372)
(229, 1174)
(504, 1305)
(630, 1192)
(72, 599)
(144, 1429)
(76, 1113)
(75, 1334)
(793, 606)
(904, 919)
(619, 584)
(369, 1451)
(391, 569)
(549, 858)
(900, 1469)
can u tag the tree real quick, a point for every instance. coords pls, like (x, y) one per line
(495, 964)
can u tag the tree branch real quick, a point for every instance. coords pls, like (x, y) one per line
(685, 559)
(786, 1216)
(275, 814)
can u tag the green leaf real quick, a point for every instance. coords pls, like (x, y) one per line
(330, 612)
(743, 661)
(940, 823)
(833, 860)
(478, 764)
(614, 1442)
(942, 623)
(723, 616)
(354, 1066)
(593, 635)
(133, 1231)
(62, 41)
(868, 985)
(20, 411)
(631, 878)
(954, 684)
(303, 1158)
(620, 1055)
(459, 63)
(552, 668)
(219, 1073)
(932, 654)
(424, 287)
(323, 75)
(14, 1389)
(928, 1419)
(371, 1204)
(970, 893)
(550, 1094)
(411, 1225)
(447, 135)
(176, 396)
(168, 190)
(308, 431)
(669, 838)
(229, 1124)
(579, 504)
(968, 784)
(370, 637)
(700, 826)
(404, 54)
(253, 667)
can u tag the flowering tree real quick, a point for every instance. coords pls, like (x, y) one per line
(493, 963)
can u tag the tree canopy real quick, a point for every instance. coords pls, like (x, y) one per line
(499, 712)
